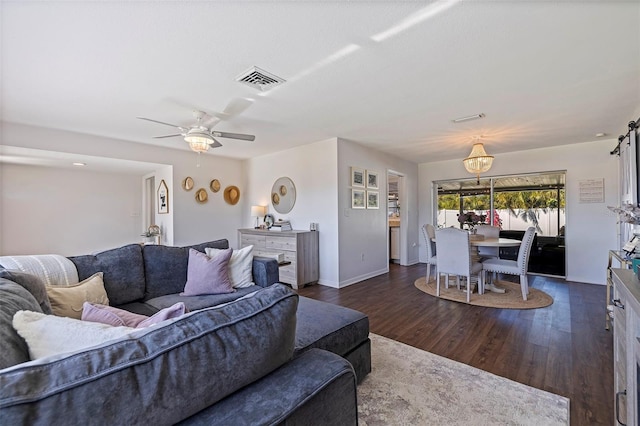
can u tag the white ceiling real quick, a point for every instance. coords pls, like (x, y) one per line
(388, 75)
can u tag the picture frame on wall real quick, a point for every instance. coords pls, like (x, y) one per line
(358, 199)
(357, 177)
(163, 198)
(372, 180)
(373, 200)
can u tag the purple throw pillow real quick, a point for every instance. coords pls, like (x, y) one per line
(174, 311)
(120, 318)
(208, 275)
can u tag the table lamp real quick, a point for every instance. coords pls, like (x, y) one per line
(258, 212)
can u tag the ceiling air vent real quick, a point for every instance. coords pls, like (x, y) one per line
(260, 79)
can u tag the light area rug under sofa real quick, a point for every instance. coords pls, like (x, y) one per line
(409, 386)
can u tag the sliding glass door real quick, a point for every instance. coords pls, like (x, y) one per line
(513, 203)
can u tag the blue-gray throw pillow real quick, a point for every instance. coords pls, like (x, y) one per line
(13, 298)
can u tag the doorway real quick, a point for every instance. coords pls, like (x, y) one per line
(395, 221)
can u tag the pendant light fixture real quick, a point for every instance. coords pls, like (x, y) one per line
(478, 161)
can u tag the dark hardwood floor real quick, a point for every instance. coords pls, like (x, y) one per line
(562, 348)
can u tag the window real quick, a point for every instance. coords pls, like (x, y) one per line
(513, 203)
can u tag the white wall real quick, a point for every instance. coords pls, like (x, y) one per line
(364, 233)
(313, 170)
(68, 212)
(192, 222)
(591, 228)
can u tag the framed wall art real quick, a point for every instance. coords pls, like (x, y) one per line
(373, 198)
(163, 198)
(372, 180)
(358, 199)
(357, 177)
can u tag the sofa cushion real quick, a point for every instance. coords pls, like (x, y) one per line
(67, 301)
(194, 303)
(13, 298)
(147, 374)
(208, 275)
(33, 284)
(330, 327)
(123, 268)
(165, 267)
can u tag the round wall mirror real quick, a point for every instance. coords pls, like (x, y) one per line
(283, 195)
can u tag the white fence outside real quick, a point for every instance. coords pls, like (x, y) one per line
(547, 221)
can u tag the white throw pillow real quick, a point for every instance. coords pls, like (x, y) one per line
(51, 335)
(240, 266)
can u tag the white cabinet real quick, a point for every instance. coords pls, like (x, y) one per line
(626, 345)
(300, 250)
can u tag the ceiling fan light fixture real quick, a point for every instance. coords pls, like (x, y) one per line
(198, 140)
(478, 160)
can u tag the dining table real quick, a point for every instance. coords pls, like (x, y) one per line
(475, 242)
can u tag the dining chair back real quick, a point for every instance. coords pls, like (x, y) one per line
(429, 233)
(515, 267)
(454, 258)
(489, 232)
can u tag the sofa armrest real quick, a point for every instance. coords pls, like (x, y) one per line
(265, 271)
(318, 388)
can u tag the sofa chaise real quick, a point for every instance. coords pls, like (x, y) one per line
(260, 355)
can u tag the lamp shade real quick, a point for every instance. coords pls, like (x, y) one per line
(258, 211)
(198, 140)
(478, 161)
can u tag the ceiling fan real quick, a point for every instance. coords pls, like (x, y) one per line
(200, 135)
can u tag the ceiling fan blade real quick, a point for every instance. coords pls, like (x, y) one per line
(168, 136)
(234, 136)
(215, 144)
(210, 121)
(237, 106)
(162, 122)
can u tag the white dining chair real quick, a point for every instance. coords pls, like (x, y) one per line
(492, 232)
(429, 233)
(515, 267)
(454, 257)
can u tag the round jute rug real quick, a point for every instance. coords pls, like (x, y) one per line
(511, 299)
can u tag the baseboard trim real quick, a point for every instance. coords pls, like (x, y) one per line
(363, 277)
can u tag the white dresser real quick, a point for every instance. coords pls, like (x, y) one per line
(300, 249)
(626, 345)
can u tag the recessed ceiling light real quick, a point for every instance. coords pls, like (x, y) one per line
(599, 135)
(467, 118)
(79, 164)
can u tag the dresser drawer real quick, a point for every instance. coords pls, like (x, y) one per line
(257, 241)
(281, 243)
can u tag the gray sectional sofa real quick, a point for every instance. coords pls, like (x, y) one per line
(271, 357)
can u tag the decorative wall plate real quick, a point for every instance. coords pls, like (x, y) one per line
(214, 185)
(232, 195)
(187, 183)
(202, 196)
